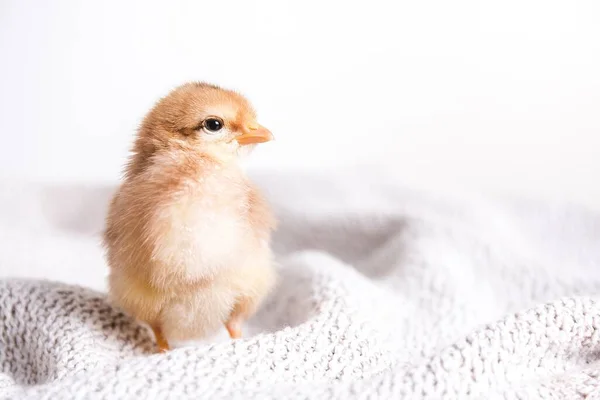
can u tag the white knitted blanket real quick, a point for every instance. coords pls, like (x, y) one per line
(384, 293)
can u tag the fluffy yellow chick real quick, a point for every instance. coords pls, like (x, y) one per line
(187, 234)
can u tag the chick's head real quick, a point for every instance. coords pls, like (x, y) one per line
(200, 119)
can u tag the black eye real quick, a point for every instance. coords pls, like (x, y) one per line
(212, 124)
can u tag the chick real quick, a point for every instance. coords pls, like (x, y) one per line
(187, 234)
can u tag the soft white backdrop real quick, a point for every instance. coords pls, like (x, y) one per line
(490, 95)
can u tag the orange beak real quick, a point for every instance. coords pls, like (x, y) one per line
(254, 134)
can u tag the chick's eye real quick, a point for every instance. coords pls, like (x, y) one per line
(212, 124)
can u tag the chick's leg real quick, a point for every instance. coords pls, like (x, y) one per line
(234, 327)
(161, 342)
(238, 316)
(251, 285)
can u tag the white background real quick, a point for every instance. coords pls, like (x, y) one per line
(490, 95)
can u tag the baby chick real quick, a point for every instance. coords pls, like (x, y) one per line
(187, 234)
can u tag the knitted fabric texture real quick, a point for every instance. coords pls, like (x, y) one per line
(395, 295)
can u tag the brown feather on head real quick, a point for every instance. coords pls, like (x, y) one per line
(199, 119)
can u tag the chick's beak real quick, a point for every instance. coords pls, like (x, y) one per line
(254, 133)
